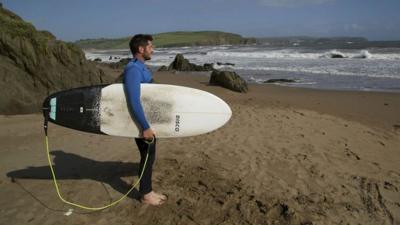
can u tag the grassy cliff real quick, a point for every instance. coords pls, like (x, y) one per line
(171, 39)
(34, 64)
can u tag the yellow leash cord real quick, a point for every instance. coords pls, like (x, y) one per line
(86, 207)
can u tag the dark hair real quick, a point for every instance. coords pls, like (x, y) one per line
(139, 40)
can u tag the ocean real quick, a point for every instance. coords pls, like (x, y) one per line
(370, 69)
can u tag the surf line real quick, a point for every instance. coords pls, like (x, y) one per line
(45, 126)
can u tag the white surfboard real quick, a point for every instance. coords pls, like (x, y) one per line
(172, 111)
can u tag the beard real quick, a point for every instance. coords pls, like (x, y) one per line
(147, 56)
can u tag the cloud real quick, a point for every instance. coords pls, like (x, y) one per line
(292, 3)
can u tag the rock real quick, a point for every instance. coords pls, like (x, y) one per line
(34, 64)
(225, 64)
(163, 68)
(228, 80)
(125, 61)
(120, 78)
(97, 60)
(182, 64)
(208, 66)
(110, 58)
(119, 65)
(282, 80)
(336, 56)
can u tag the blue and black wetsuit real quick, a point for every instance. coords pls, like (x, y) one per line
(136, 73)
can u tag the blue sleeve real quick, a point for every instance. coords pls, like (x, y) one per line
(132, 80)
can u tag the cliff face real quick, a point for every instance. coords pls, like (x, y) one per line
(34, 64)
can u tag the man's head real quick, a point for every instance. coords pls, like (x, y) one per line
(141, 46)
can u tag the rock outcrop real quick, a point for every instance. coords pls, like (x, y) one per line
(182, 64)
(119, 65)
(228, 80)
(34, 64)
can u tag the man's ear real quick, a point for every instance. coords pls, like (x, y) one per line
(141, 49)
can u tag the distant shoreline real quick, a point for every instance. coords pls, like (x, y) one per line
(216, 38)
(171, 39)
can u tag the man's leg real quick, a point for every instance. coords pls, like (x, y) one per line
(148, 195)
(145, 182)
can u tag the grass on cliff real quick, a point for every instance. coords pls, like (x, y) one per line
(170, 39)
(12, 27)
(195, 38)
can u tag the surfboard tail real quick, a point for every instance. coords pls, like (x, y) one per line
(76, 108)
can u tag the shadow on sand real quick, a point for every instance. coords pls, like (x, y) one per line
(69, 166)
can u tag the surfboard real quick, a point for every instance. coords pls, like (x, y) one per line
(172, 111)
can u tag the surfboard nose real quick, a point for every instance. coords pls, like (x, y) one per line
(224, 110)
(227, 111)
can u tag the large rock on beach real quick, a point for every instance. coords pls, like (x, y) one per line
(182, 64)
(228, 80)
(34, 64)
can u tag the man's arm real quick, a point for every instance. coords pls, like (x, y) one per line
(132, 78)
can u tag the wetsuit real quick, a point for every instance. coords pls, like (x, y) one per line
(136, 73)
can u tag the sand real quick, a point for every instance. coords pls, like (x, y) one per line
(287, 156)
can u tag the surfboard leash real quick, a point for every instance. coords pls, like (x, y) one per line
(45, 126)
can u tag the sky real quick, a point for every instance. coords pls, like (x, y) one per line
(80, 19)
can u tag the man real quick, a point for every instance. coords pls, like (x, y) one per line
(136, 73)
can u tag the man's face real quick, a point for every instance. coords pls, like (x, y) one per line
(148, 51)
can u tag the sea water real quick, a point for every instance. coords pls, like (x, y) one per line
(376, 69)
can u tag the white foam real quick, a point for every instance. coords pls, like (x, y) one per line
(381, 63)
(276, 54)
(364, 54)
(317, 70)
(383, 56)
(105, 55)
(257, 80)
(293, 54)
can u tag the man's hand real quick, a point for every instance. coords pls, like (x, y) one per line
(149, 134)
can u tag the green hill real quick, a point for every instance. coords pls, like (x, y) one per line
(171, 39)
(34, 64)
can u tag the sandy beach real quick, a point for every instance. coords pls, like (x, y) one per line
(287, 156)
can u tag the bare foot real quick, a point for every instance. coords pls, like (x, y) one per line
(161, 196)
(152, 199)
